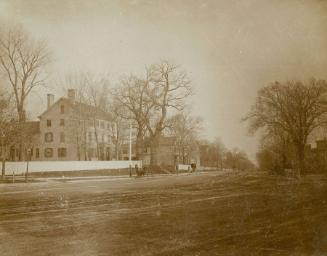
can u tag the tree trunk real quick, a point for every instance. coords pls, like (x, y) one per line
(21, 121)
(283, 160)
(154, 147)
(85, 141)
(139, 146)
(183, 153)
(3, 174)
(20, 143)
(4, 154)
(78, 147)
(221, 163)
(300, 159)
(117, 150)
(96, 139)
(20, 151)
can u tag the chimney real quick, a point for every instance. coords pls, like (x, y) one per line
(50, 100)
(71, 95)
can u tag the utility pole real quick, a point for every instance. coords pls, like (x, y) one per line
(3, 156)
(27, 163)
(130, 149)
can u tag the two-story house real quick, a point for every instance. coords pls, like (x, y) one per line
(71, 130)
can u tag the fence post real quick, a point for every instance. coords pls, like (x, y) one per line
(13, 177)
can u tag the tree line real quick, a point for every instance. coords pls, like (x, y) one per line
(216, 154)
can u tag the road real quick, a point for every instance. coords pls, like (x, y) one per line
(216, 213)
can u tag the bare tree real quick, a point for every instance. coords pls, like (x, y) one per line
(6, 128)
(135, 106)
(292, 107)
(148, 100)
(118, 128)
(185, 128)
(168, 87)
(22, 61)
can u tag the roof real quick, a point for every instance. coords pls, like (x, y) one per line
(88, 110)
(85, 110)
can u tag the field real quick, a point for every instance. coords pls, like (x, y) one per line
(214, 213)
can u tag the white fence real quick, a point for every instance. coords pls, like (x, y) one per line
(184, 167)
(59, 166)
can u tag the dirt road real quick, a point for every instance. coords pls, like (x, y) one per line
(198, 214)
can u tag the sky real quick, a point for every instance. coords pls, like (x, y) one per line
(229, 48)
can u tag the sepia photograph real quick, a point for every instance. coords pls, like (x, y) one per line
(163, 127)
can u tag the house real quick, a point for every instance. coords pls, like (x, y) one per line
(168, 153)
(316, 157)
(69, 130)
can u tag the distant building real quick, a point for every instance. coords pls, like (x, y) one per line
(168, 153)
(316, 157)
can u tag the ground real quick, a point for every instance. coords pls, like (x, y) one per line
(215, 213)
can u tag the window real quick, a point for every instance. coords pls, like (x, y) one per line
(48, 152)
(28, 153)
(48, 123)
(62, 137)
(98, 123)
(62, 109)
(62, 122)
(125, 151)
(108, 125)
(90, 136)
(48, 137)
(37, 153)
(102, 124)
(62, 152)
